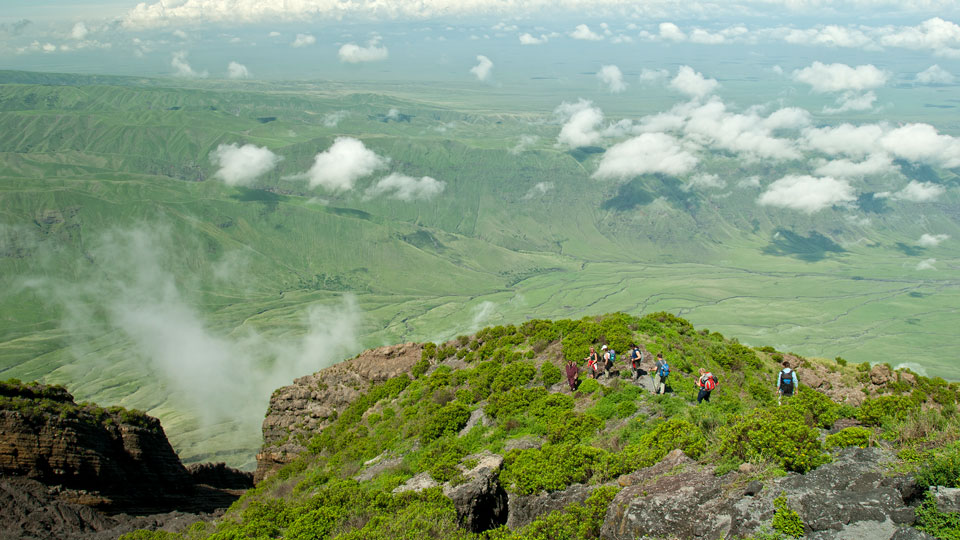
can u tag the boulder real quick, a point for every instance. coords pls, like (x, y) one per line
(851, 498)
(524, 509)
(880, 375)
(481, 501)
(419, 482)
(947, 499)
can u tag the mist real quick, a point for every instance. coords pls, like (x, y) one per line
(215, 374)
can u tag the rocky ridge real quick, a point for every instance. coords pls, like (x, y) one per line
(81, 471)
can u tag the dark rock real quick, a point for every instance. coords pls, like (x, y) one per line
(481, 501)
(947, 499)
(526, 508)
(848, 499)
(753, 488)
(218, 475)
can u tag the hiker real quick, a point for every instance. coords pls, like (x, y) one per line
(636, 356)
(593, 362)
(609, 356)
(573, 373)
(787, 382)
(662, 371)
(707, 382)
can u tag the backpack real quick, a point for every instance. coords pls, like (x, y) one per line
(710, 383)
(786, 377)
(613, 355)
(664, 370)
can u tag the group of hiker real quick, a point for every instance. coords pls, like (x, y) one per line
(601, 364)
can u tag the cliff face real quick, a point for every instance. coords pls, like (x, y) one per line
(63, 465)
(111, 457)
(311, 403)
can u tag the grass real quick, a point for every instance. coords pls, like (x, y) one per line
(84, 157)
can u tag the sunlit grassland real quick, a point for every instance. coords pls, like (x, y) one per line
(80, 162)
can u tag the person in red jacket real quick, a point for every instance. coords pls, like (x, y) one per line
(593, 362)
(707, 382)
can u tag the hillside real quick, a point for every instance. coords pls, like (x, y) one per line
(480, 437)
(134, 275)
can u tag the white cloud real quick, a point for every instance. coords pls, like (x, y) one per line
(406, 188)
(582, 121)
(529, 39)
(922, 143)
(845, 168)
(393, 114)
(830, 36)
(236, 70)
(936, 34)
(337, 168)
(932, 240)
(179, 63)
(525, 142)
(749, 182)
(482, 70)
(919, 192)
(749, 134)
(538, 190)
(671, 32)
(352, 53)
(806, 193)
(583, 32)
(180, 34)
(241, 165)
(706, 180)
(692, 83)
(647, 153)
(653, 75)
(613, 78)
(852, 101)
(331, 119)
(79, 31)
(274, 34)
(840, 77)
(856, 141)
(935, 75)
(303, 40)
(927, 264)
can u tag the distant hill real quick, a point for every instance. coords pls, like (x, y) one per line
(136, 277)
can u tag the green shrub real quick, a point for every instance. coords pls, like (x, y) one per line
(512, 375)
(550, 374)
(574, 427)
(942, 525)
(550, 468)
(653, 445)
(785, 520)
(574, 522)
(588, 386)
(817, 408)
(873, 411)
(851, 436)
(449, 419)
(941, 470)
(513, 402)
(778, 435)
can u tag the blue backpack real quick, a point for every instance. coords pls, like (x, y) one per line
(613, 355)
(664, 370)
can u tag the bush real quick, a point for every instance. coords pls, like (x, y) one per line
(574, 522)
(942, 525)
(588, 386)
(449, 419)
(851, 436)
(574, 427)
(550, 374)
(817, 408)
(941, 470)
(785, 520)
(779, 435)
(550, 468)
(512, 375)
(873, 411)
(513, 402)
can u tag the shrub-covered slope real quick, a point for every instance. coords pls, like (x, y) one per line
(488, 418)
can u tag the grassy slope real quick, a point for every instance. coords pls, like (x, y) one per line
(84, 156)
(590, 437)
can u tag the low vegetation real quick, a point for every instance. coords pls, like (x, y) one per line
(591, 436)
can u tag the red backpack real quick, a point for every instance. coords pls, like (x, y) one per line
(710, 383)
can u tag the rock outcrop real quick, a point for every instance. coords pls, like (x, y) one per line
(77, 471)
(852, 498)
(311, 403)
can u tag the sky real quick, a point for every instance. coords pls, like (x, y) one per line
(491, 41)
